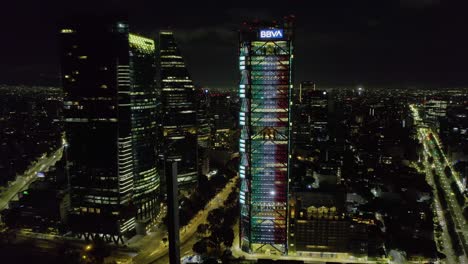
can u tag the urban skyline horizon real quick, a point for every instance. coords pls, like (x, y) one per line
(129, 160)
(411, 44)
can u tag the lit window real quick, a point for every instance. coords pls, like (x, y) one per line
(67, 31)
(103, 86)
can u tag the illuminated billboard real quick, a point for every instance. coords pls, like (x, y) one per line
(271, 33)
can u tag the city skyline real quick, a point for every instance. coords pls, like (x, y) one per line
(324, 136)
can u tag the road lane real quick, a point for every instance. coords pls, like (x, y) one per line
(23, 181)
(156, 251)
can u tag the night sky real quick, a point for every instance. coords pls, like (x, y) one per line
(403, 43)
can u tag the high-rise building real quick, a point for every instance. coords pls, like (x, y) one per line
(434, 110)
(109, 108)
(144, 128)
(304, 88)
(265, 61)
(310, 132)
(221, 108)
(203, 130)
(311, 117)
(224, 115)
(179, 115)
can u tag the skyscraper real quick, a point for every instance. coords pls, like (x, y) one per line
(143, 108)
(179, 115)
(203, 130)
(109, 107)
(310, 118)
(265, 61)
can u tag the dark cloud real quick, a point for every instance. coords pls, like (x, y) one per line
(419, 3)
(379, 42)
(219, 34)
(249, 13)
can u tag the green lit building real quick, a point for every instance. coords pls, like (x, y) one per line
(143, 108)
(265, 61)
(109, 108)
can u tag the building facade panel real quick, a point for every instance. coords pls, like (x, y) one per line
(264, 90)
(179, 114)
(109, 94)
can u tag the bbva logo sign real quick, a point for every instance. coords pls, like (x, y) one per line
(271, 33)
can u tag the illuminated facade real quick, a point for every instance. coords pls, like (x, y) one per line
(108, 79)
(317, 221)
(265, 57)
(143, 108)
(179, 115)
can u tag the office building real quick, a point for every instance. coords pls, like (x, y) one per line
(265, 61)
(222, 108)
(434, 110)
(204, 138)
(108, 80)
(179, 115)
(317, 222)
(305, 88)
(310, 117)
(143, 109)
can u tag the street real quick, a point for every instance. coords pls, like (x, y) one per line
(155, 251)
(431, 152)
(22, 182)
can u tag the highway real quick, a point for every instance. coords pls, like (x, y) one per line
(447, 247)
(22, 182)
(155, 251)
(431, 152)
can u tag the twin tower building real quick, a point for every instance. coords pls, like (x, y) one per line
(120, 123)
(129, 104)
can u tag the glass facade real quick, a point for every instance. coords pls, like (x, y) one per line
(179, 113)
(143, 108)
(203, 131)
(109, 94)
(265, 88)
